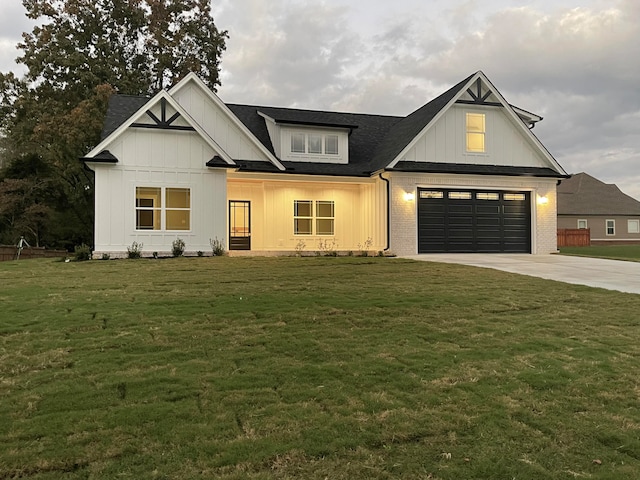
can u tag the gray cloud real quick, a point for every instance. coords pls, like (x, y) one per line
(13, 22)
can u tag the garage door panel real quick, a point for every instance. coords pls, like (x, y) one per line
(479, 222)
(488, 209)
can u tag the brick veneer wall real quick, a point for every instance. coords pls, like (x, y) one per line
(403, 213)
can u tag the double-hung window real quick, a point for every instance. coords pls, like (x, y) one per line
(582, 223)
(475, 132)
(163, 208)
(313, 218)
(611, 227)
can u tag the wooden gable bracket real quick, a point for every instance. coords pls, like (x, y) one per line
(163, 123)
(478, 97)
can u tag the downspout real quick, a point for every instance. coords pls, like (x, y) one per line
(386, 248)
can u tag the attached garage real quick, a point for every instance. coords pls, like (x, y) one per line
(469, 221)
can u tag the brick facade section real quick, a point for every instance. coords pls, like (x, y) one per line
(403, 213)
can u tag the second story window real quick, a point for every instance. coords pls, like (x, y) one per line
(298, 142)
(314, 143)
(475, 132)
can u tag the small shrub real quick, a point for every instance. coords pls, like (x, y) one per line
(177, 247)
(380, 253)
(365, 247)
(135, 250)
(300, 246)
(82, 253)
(327, 248)
(106, 256)
(217, 247)
(200, 253)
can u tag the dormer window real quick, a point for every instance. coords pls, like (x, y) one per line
(298, 142)
(314, 143)
(331, 144)
(475, 132)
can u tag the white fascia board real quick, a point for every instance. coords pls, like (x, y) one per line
(118, 131)
(433, 121)
(517, 121)
(194, 78)
(524, 114)
(508, 108)
(205, 136)
(266, 117)
(143, 110)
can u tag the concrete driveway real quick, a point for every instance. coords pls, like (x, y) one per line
(593, 272)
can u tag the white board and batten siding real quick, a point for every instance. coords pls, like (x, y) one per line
(357, 207)
(445, 141)
(217, 123)
(157, 158)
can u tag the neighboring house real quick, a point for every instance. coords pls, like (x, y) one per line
(610, 215)
(463, 173)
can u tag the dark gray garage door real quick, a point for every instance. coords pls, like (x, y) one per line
(468, 221)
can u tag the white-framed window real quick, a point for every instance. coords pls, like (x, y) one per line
(303, 217)
(313, 218)
(582, 223)
(314, 143)
(331, 144)
(611, 227)
(633, 226)
(163, 208)
(298, 143)
(475, 128)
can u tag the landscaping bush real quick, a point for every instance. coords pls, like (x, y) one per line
(177, 247)
(135, 250)
(217, 247)
(82, 252)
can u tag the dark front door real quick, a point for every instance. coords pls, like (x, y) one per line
(464, 221)
(239, 225)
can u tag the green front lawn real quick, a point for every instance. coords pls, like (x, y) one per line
(614, 252)
(313, 368)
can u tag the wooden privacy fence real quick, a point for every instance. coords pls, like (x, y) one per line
(9, 252)
(574, 237)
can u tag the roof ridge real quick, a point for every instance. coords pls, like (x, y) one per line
(308, 110)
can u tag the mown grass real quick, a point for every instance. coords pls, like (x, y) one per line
(614, 252)
(314, 368)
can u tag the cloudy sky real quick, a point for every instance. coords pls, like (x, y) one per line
(574, 62)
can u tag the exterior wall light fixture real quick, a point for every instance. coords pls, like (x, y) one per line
(543, 200)
(409, 196)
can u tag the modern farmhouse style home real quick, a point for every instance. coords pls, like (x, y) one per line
(463, 173)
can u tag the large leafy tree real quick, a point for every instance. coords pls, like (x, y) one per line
(80, 52)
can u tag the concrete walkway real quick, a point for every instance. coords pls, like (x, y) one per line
(593, 272)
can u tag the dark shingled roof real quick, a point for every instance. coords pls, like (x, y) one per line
(406, 130)
(584, 195)
(374, 140)
(105, 156)
(363, 140)
(120, 108)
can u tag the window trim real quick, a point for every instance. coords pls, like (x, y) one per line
(163, 209)
(613, 227)
(586, 224)
(323, 143)
(314, 218)
(480, 134)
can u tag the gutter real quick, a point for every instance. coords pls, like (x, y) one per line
(386, 180)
